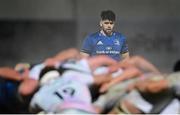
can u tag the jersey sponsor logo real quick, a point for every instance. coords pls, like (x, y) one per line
(99, 43)
(116, 42)
(107, 52)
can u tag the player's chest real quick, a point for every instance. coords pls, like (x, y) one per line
(107, 44)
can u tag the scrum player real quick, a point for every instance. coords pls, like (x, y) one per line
(70, 92)
(31, 77)
(16, 84)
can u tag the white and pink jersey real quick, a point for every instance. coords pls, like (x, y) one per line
(59, 91)
(70, 89)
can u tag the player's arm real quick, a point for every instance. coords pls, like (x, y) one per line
(126, 74)
(10, 73)
(86, 48)
(100, 60)
(67, 54)
(144, 64)
(28, 86)
(139, 62)
(155, 83)
(70, 53)
(124, 51)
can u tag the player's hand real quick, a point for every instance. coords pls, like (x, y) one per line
(10, 73)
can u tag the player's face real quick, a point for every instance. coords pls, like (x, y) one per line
(107, 26)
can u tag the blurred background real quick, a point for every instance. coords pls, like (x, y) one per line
(32, 30)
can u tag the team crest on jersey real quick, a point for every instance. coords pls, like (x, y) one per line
(116, 42)
(99, 43)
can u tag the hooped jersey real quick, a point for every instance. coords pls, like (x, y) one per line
(98, 44)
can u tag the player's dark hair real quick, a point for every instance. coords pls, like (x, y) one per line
(108, 15)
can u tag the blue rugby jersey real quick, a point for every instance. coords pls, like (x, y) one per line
(8, 91)
(98, 44)
(9, 101)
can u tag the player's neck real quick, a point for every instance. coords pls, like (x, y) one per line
(104, 34)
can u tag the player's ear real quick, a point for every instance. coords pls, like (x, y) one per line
(100, 23)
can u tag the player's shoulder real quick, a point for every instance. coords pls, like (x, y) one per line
(118, 34)
(93, 35)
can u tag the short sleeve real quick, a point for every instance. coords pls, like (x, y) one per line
(124, 45)
(87, 45)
